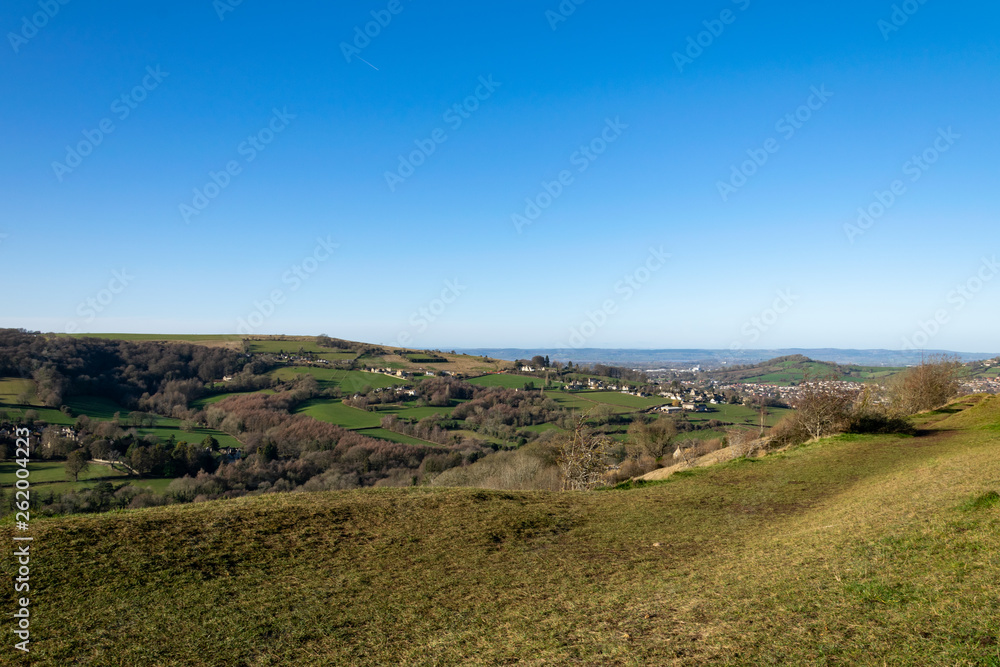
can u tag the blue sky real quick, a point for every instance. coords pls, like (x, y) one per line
(611, 119)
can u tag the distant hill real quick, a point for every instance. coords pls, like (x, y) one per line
(708, 358)
(795, 369)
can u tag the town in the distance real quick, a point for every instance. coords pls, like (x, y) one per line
(128, 421)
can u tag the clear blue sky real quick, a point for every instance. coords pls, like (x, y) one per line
(203, 81)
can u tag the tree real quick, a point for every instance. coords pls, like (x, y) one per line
(823, 408)
(211, 443)
(76, 463)
(927, 386)
(650, 439)
(582, 458)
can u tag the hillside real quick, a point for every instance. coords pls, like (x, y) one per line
(795, 369)
(851, 550)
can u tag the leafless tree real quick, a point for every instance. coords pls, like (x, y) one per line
(582, 458)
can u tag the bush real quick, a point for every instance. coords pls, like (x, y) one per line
(924, 387)
(878, 423)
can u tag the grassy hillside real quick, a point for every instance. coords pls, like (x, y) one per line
(795, 368)
(852, 550)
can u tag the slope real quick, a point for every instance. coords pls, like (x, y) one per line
(852, 550)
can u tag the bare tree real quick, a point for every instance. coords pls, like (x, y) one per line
(927, 386)
(823, 408)
(651, 439)
(76, 463)
(582, 458)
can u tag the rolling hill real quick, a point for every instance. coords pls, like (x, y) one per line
(850, 550)
(795, 369)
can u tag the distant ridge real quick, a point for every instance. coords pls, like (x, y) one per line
(713, 358)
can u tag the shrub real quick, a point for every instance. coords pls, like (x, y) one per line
(924, 387)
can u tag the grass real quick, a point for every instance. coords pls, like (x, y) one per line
(48, 415)
(507, 381)
(12, 390)
(851, 550)
(392, 436)
(202, 403)
(420, 413)
(96, 407)
(335, 412)
(348, 381)
(48, 472)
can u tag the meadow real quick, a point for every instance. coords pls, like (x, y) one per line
(12, 390)
(507, 381)
(347, 381)
(853, 550)
(334, 411)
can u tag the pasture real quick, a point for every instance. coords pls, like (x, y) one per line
(333, 411)
(14, 390)
(46, 473)
(392, 436)
(347, 381)
(507, 381)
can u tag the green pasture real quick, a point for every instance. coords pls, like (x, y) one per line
(335, 412)
(506, 380)
(392, 436)
(12, 389)
(348, 381)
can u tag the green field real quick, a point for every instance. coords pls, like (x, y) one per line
(416, 414)
(737, 414)
(392, 436)
(202, 403)
(48, 415)
(620, 403)
(334, 411)
(348, 381)
(294, 347)
(854, 550)
(96, 407)
(44, 473)
(540, 428)
(506, 380)
(11, 390)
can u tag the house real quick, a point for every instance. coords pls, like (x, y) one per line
(227, 378)
(669, 409)
(527, 369)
